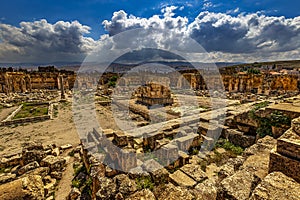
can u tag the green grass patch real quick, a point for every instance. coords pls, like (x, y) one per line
(29, 110)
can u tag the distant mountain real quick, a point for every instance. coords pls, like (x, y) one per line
(36, 65)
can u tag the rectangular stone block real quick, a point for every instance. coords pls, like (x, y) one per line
(289, 144)
(181, 179)
(288, 166)
(240, 139)
(185, 143)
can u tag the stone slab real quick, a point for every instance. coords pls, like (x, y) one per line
(195, 172)
(181, 179)
(286, 165)
(289, 144)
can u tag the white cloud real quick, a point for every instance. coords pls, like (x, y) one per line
(237, 10)
(226, 37)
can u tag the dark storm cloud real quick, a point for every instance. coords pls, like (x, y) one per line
(245, 33)
(42, 40)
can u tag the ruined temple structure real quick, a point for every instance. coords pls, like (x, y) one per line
(154, 93)
(242, 82)
(26, 81)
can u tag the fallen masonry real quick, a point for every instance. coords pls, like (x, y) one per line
(32, 174)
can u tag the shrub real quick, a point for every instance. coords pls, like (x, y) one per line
(230, 147)
(144, 183)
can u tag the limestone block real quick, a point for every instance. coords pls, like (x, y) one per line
(125, 185)
(54, 163)
(6, 177)
(181, 179)
(289, 144)
(205, 190)
(11, 161)
(238, 186)
(238, 138)
(29, 187)
(276, 186)
(286, 165)
(28, 167)
(194, 171)
(171, 192)
(144, 194)
(296, 125)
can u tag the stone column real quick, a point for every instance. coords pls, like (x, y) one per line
(62, 90)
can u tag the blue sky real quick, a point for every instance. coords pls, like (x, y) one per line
(93, 12)
(233, 17)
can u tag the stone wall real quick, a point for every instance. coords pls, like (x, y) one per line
(24, 81)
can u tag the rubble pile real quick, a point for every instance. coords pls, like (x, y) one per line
(32, 174)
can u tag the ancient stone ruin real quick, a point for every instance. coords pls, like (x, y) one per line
(154, 94)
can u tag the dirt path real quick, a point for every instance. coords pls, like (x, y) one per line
(64, 185)
(6, 111)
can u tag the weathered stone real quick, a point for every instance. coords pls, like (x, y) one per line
(181, 179)
(184, 158)
(6, 177)
(74, 194)
(160, 176)
(151, 165)
(158, 173)
(276, 186)
(144, 194)
(205, 191)
(120, 139)
(15, 169)
(296, 125)
(65, 147)
(153, 93)
(109, 172)
(289, 144)
(171, 192)
(108, 132)
(265, 144)
(56, 175)
(107, 189)
(32, 155)
(49, 187)
(238, 186)
(33, 146)
(11, 161)
(194, 171)
(167, 154)
(243, 128)
(41, 171)
(28, 167)
(119, 196)
(238, 138)
(226, 171)
(125, 185)
(258, 164)
(54, 163)
(56, 151)
(286, 165)
(30, 187)
(138, 172)
(185, 143)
